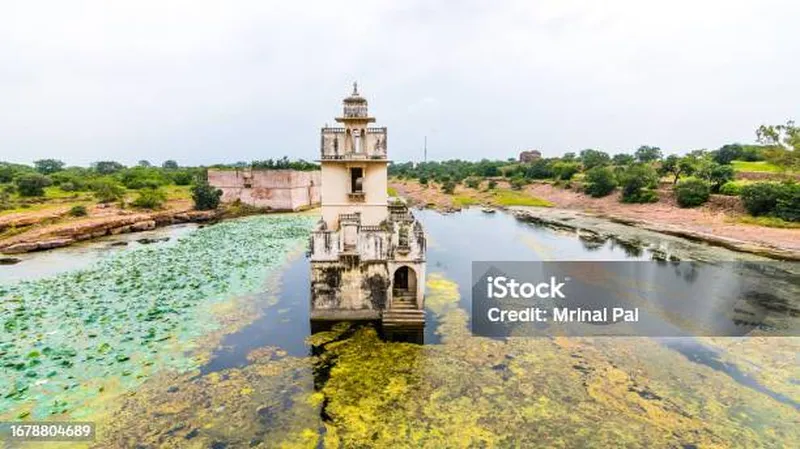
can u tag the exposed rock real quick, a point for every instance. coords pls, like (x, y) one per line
(55, 243)
(143, 225)
(85, 230)
(201, 215)
(634, 235)
(120, 230)
(149, 240)
(19, 248)
(9, 260)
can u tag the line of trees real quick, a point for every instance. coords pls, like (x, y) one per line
(109, 181)
(694, 176)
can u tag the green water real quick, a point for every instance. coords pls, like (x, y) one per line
(66, 337)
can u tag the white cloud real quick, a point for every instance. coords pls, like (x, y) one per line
(209, 81)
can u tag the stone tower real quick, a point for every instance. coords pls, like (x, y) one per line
(367, 253)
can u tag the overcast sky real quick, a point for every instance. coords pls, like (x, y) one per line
(223, 81)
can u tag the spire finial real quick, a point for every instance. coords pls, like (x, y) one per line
(355, 88)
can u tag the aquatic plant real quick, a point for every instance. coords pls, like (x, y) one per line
(132, 313)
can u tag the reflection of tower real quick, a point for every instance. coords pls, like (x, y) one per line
(367, 257)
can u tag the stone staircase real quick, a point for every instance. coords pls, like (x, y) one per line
(404, 313)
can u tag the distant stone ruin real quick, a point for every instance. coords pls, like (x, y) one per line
(529, 156)
(280, 190)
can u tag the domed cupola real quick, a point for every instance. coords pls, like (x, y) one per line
(355, 105)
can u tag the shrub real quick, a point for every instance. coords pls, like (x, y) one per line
(637, 182)
(207, 197)
(692, 192)
(107, 190)
(788, 204)
(600, 182)
(6, 191)
(565, 170)
(71, 180)
(518, 183)
(719, 175)
(491, 185)
(540, 169)
(182, 177)
(473, 182)
(731, 188)
(150, 199)
(32, 184)
(448, 186)
(68, 187)
(761, 198)
(78, 211)
(423, 180)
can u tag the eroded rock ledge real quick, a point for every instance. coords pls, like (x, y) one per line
(81, 231)
(671, 239)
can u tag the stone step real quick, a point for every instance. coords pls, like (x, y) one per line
(403, 312)
(403, 318)
(403, 305)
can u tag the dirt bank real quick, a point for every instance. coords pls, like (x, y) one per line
(36, 231)
(714, 223)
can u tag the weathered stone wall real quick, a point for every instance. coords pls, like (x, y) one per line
(349, 290)
(273, 189)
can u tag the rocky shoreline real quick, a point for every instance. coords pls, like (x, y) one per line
(82, 231)
(669, 240)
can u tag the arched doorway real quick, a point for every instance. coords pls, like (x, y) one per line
(404, 283)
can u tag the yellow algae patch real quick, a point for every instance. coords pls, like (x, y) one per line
(442, 298)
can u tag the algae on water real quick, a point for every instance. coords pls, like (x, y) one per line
(130, 314)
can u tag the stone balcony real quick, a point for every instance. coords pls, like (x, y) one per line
(399, 238)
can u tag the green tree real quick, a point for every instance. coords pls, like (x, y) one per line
(594, 158)
(144, 163)
(622, 159)
(170, 165)
(716, 174)
(648, 154)
(107, 167)
(783, 142)
(728, 153)
(32, 184)
(677, 166)
(205, 196)
(565, 170)
(48, 166)
(600, 181)
(638, 181)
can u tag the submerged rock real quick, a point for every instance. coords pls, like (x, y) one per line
(149, 240)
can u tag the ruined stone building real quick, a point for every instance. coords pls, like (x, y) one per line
(280, 190)
(367, 254)
(530, 156)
